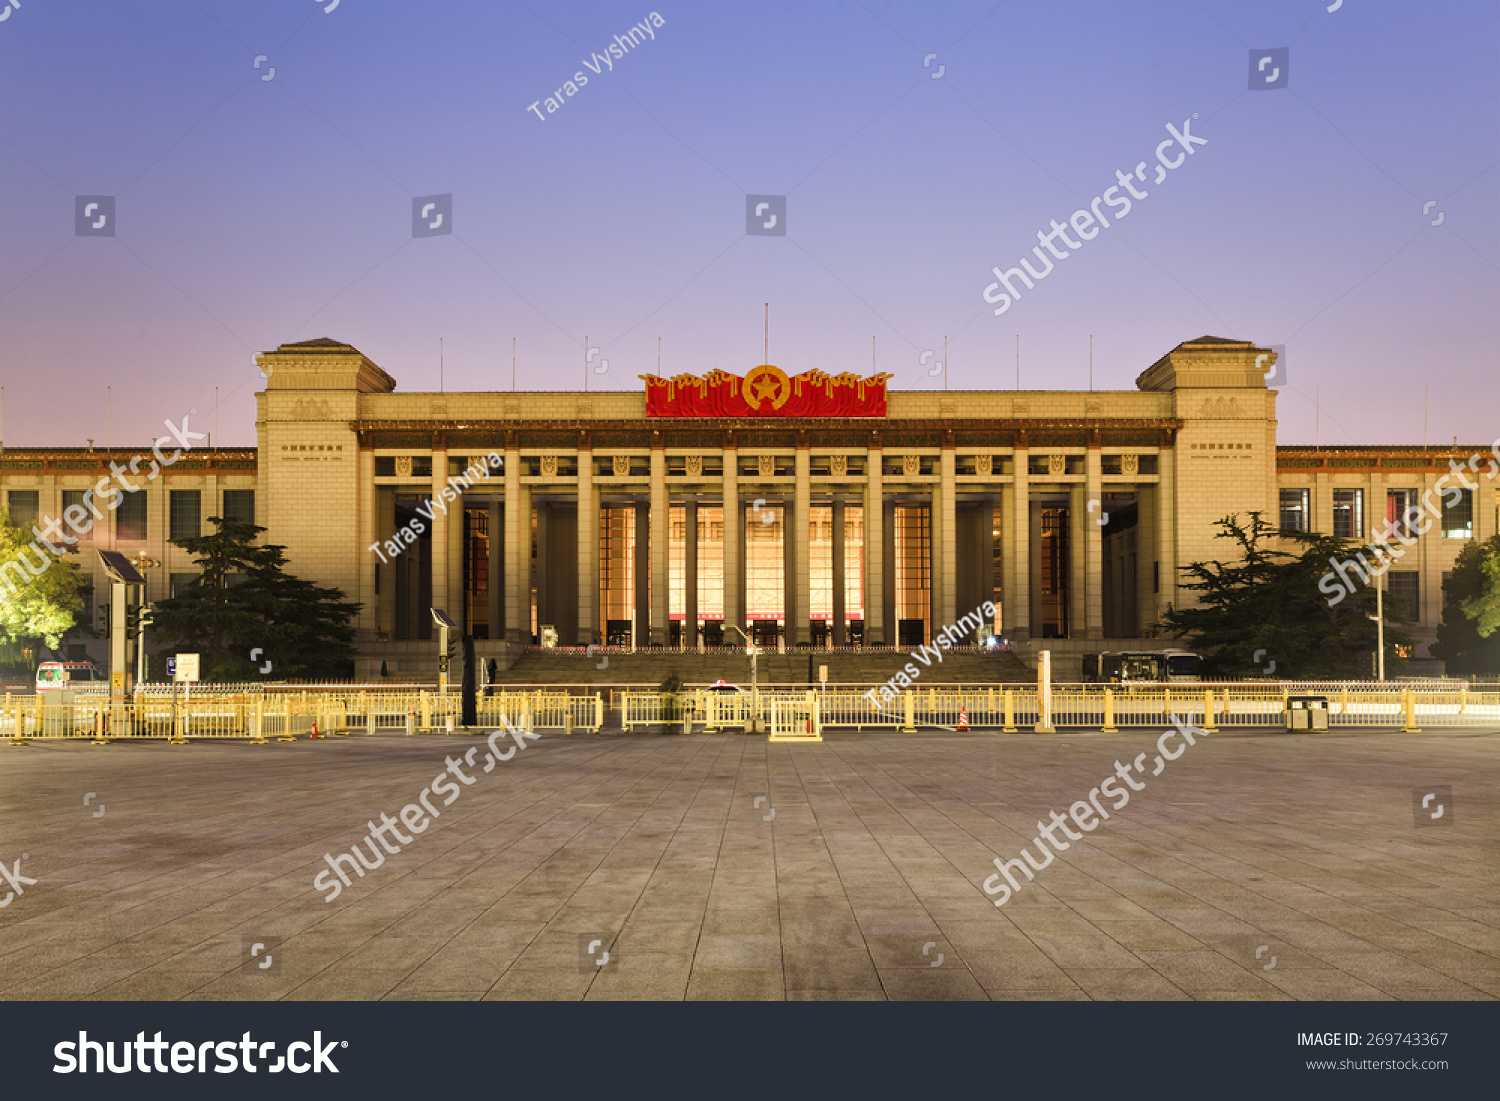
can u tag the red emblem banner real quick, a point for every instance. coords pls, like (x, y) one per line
(766, 391)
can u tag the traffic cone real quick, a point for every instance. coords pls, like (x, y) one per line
(963, 718)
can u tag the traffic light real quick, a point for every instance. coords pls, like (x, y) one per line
(104, 610)
(132, 619)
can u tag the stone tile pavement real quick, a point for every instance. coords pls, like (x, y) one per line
(1253, 867)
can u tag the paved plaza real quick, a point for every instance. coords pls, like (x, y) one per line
(720, 866)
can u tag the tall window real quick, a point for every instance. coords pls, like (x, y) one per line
(130, 517)
(1349, 513)
(854, 560)
(1397, 502)
(913, 544)
(23, 506)
(819, 550)
(1404, 598)
(1055, 564)
(1294, 510)
(239, 504)
(70, 498)
(186, 510)
(179, 583)
(710, 562)
(765, 563)
(476, 569)
(617, 573)
(1458, 517)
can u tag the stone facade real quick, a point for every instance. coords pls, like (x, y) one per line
(1010, 492)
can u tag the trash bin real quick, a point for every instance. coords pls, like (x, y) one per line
(1307, 713)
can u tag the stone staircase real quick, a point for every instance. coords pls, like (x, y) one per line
(864, 668)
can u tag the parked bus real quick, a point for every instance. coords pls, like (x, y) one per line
(74, 675)
(1136, 666)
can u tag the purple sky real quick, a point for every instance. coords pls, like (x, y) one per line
(253, 212)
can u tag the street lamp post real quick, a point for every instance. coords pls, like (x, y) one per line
(1380, 629)
(752, 649)
(142, 562)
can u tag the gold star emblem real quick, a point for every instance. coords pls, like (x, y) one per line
(766, 387)
(767, 383)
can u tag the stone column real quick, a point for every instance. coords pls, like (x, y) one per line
(543, 568)
(888, 558)
(734, 603)
(517, 552)
(788, 573)
(874, 549)
(497, 572)
(799, 539)
(642, 574)
(984, 551)
(369, 611)
(838, 572)
(1094, 532)
(588, 551)
(690, 576)
(1146, 535)
(1166, 524)
(1018, 561)
(946, 522)
(441, 521)
(1079, 542)
(1430, 562)
(1320, 508)
(460, 610)
(1374, 518)
(661, 533)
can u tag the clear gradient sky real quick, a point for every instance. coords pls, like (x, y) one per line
(254, 212)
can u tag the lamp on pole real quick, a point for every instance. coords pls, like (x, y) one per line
(752, 650)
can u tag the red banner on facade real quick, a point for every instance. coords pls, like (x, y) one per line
(766, 391)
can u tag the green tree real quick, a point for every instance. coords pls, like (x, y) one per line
(243, 599)
(1268, 602)
(40, 592)
(1467, 639)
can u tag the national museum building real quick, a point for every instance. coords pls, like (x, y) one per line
(807, 510)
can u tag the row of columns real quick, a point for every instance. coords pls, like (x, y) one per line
(652, 538)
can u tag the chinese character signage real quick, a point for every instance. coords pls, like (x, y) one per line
(766, 391)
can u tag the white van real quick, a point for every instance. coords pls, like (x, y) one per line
(72, 675)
